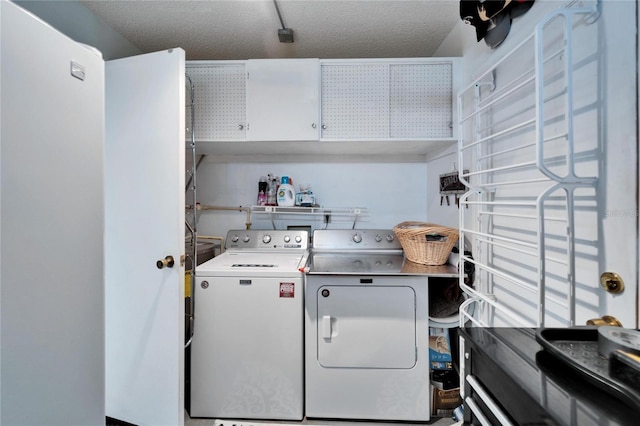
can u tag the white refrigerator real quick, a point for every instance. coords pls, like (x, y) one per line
(92, 195)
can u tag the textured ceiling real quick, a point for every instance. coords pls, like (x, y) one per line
(244, 29)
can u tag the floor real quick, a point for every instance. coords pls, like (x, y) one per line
(188, 421)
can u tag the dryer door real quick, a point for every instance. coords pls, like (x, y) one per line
(366, 327)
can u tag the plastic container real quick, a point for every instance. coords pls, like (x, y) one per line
(262, 191)
(305, 197)
(286, 193)
(272, 190)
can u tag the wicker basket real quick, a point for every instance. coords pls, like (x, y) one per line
(426, 243)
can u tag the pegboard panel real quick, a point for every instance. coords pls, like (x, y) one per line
(421, 101)
(220, 101)
(355, 101)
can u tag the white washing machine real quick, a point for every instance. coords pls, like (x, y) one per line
(367, 328)
(248, 344)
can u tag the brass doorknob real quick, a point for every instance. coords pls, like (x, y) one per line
(612, 282)
(167, 262)
(605, 320)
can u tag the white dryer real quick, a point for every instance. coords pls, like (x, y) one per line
(367, 328)
(247, 348)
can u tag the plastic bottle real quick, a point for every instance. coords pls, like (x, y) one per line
(286, 194)
(272, 190)
(262, 191)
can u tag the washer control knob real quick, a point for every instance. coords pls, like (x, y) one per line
(298, 239)
(357, 238)
(266, 239)
(390, 237)
(378, 238)
(235, 238)
(287, 238)
(246, 238)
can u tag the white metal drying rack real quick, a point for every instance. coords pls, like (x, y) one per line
(482, 149)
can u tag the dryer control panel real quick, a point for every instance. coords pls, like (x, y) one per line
(356, 239)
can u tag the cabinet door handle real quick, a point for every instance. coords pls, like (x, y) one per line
(313, 125)
(240, 127)
(488, 401)
(471, 403)
(324, 127)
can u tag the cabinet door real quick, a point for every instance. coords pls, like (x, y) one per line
(219, 100)
(283, 99)
(355, 101)
(421, 101)
(366, 327)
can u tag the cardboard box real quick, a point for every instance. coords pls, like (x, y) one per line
(443, 402)
(439, 349)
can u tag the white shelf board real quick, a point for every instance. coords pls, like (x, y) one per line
(400, 150)
(341, 211)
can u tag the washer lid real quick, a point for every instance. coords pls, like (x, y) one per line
(253, 264)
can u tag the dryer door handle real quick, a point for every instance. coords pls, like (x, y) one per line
(326, 327)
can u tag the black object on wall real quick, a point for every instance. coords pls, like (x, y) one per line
(492, 18)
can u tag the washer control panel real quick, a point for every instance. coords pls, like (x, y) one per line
(250, 239)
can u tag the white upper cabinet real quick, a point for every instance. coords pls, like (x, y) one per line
(283, 99)
(219, 100)
(346, 107)
(390, 99)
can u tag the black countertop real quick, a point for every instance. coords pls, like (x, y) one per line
(532, 386)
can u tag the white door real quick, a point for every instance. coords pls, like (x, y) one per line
(604, 129)
(355, 101)
(220, 99)
(617, 183)
(144, 171)
(366, 327)
(283, 99)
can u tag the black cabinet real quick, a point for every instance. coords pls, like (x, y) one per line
(509, 379)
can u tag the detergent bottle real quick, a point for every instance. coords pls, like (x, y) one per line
(286, 194)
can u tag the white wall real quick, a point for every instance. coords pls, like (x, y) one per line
(442, 214)
(79, 23)
(391, 192)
